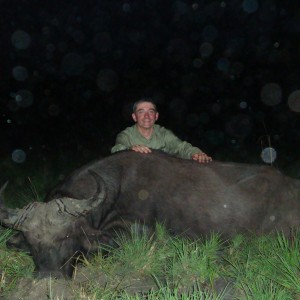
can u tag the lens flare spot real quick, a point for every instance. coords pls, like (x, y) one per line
(250, 6)
(126, 7)
(206, 49)
(24, 98)
(268, 155)
(21, 39)
(143, 194)
(294, 101)
(73, 64)
(20, 73)
(210, 33)
(197, 63)
(239, 126)
(107, 80)
(53, 110)
(223, 64)
(18, 156)
(243, 104)
(271, 94)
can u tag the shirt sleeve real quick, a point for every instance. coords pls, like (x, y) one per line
(178, 147)
(122, 143)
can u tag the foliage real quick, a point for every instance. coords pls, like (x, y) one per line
(14, 265)
(156, 266)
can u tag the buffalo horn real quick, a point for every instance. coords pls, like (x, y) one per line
(2, 193)
(81, 207)
(8, 216)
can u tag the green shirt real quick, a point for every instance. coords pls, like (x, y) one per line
(161, 139)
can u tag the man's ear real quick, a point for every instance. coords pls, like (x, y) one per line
(133, 117)
(156, 116)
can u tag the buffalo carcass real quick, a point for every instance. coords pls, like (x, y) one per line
(107, 195)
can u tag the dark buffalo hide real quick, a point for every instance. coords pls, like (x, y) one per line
(108, 195)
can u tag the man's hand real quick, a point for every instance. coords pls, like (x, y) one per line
(141, 149)
(201, 157)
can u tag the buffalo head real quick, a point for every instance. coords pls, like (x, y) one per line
(58, 231)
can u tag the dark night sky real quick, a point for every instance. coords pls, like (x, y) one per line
(225, 74)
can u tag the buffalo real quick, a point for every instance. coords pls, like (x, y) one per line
(106, 196)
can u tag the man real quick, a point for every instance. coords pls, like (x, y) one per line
(146, 135)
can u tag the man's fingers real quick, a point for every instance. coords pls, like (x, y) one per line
(141, 149)
(202, 158)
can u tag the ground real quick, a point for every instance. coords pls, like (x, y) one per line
(87, 285)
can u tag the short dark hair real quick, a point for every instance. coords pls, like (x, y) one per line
(135, 104)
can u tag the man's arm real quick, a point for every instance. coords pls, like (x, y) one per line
(125, 142)
(122, 143)
(184, 149)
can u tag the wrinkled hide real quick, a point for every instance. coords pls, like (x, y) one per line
(105, 196)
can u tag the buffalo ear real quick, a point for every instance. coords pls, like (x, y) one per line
(9, 217)
(18, 241)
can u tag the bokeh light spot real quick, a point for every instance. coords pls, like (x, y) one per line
(223, 64)
(24, 98)
(268, 155)
(210, 33)
(21, 39)
(239, 126)
(206, 49)
(197, 63)
(53, 110)
(192, 120)
(271, 94)
(20, 73)
(18, 156)
(143, 194)
(103, 42)
(216, 108)
(107, 80)
(50, 47)
(73, 64)
(204, 118)
(223, 4)
(214, 137)
(243, 104)
(126, 7)
(294, 101)
(250, 6)
(195, 6)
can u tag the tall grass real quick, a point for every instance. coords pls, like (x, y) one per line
(157, 266)
(265, 267)
(14, 265)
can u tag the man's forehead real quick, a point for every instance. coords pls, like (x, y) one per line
(145, 105)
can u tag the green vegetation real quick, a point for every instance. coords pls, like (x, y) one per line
(157, 266)
(13, 264)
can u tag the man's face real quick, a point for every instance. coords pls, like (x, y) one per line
(145, 115)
